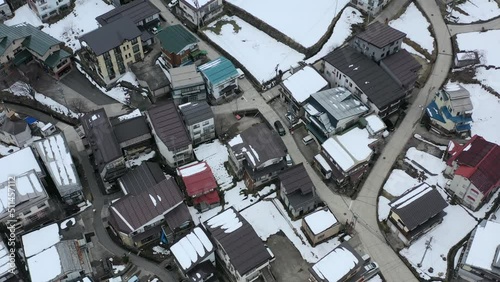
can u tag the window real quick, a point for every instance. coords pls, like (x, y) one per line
(321, 237)
(134, 41)
(350, 84)
(196, 126)
(135, 48)
(41, 205)
(206, 122)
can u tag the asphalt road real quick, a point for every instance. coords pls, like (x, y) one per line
(79, 83)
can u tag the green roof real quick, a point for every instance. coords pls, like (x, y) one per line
(218, 70)
(22, 57)
(175, 38)
(36, 40)
(56, 57)
(7, 35)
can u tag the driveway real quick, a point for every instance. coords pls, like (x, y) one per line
(80, 84)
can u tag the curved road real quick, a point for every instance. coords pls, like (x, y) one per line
(462, 28)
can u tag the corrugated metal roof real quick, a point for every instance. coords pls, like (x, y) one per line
(339, 102)
(403, 66)
(129, 129)
(196, 112)
(380, 34)
(169, 126)
(296, 178)
(175, 38)
(136, 11)
(218, 70)
(185, 76)
(56, 57)
(141, 178)
(36, 40)
(199, 181)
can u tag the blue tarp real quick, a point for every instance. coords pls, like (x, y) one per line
(30, 120)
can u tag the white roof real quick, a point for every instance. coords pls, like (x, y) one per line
(4, 259)
(192, 168)
(338, 153)
(320, 221)
(336, 264)
(41, 239)
(47, 126)
(483, 246)
(28, 187)
(375, 123)
(200, 3)
(227, 220)
(319, 158)
(466, 55)
(192, 248)
(18, 163)
(304, 83)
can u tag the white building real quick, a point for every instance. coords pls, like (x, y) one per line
(199, 12)
(46, 9)
(15, 132)
(199, 120)
(371, 7)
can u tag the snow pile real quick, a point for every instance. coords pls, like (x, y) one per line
(192, 248)
(399, 182)
(486, 43)
(133, 114)
(297, 19)
(320, 221)
(160, 250)
(24, 15)
(477, 10)
(215, 154)
(383, 208)
(140, 159)
(429, 162)
(342, 30)
(415, 25)
(6, 150)
(227, 220)
(18, 163)
(68, 223)
(254, 49)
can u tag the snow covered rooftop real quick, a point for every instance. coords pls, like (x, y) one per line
(28, 191)
(375, 123)
(41, 239)
(304, 82)
(466, 56)
(227, 220)
(192, 168)
(18, 163)
(482, 249)
(133, 114)
(337, 264)
(192, 249)
(5, 265)
(320, 221)
(198, 179)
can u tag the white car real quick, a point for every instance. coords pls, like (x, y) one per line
(173, 3)
(289, 161)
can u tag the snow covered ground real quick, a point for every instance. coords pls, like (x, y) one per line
(297, 19)
(342, 30)
(257, 51)
(415, 25)
(399, 182)
(486, 43)
(477, 10)
(489, 77)
(215, 154)
(80, 21)
(6, 149)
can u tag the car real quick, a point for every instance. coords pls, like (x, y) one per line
(290, 117)
(279, 128)
(133, 279)
(289, 161)
(241, 74)
(172, 4)
(155, 30)
(370, 270)
(307, 140)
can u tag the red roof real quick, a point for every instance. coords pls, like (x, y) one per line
(487, 175)
(471, 153)
(210, 198)
(465, 171)
(198, 178)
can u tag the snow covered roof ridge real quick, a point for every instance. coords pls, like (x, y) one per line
(192, 249)
(39, 240)
(482, 246)
(337, 264)
(228, 220)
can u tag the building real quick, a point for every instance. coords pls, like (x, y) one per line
(199, 13)
(139, 179)
(403, 69)
(378, 41)
(474, 169)
(200, 185)
(187, 85)
(297, 88)
(416, 211)
(179, 47)
(55, 155)
(332, 111)
(342, 264)
(48, 129)
(8, 270)
(133, 134)
(220, 76)
(257, 155)
(14, 132)
(371, 7)
(480, 258)
(153, 79)
(111, 49)
(194, 255)
(199, 120)
(144, 14)
(170, 134)
(450, 112)
(143, 216)
(463, 59)
(46, 9)
(345, 67)
(49, 258)
(297, 191)
(102, 145)
(320, 226)
(239, 248)
(22, 43)
(5, 11)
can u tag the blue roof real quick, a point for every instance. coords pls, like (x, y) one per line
(218, 70)
(30, 120)
(463, 127)
(455, 119)
(434, 112)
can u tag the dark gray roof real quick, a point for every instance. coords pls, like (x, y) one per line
(133, 211)
(243, 246)
(403, 66)
(153, 75)
(169, 126)
(418, 205)
(141, 178)
(339, 103)
(13, 126)
(178, 216)
(107, 37)
(296, 178)
(194, 113)
(380, 34)
(136, 11)
(101, 137)
(380, 88)
(131, 128)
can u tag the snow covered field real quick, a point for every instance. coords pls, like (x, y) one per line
(80, 21)
(257, 51)
(477, 10)
(489, 77)
(486, 43)
(412, 51)
(297, 19)
(415, 25)
(341, 31)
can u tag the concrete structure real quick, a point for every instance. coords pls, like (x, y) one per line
(22, 43)
(463, 59)
(14, 132)
(187, 85)
(199, 120)
(111, 49)
(46, 9)
(257, 155)
(152, 78)
(320, 226)
(179, 47)
(220, 76)
(5, 11)
(199, 13)
(378, 41)
(170, 134)
(371, 7)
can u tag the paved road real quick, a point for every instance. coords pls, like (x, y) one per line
(460, 28)
(79, 83)
(391, 10)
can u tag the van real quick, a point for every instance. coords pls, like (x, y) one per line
(279, 128)
(307, 140)
(289, 161)
(241, 74)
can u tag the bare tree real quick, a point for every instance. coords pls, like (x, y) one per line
(78, 105)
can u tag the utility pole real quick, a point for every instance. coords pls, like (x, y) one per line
(427, 247)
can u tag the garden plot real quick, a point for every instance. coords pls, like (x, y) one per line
(415, 25)
(261, 54)
(473, 10)
(341, 31)
(303, 22)
(486, 43)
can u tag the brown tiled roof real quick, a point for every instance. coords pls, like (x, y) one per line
(169, 126)
(380, 34)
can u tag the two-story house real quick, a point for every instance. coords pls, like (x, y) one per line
(416, 211)
(179, 47)
(200, 12)
(132, 134)
(102, 146)
(474, 169)
(170, 134)
(153, 78)
(257, 155)
(239, 248)
(23, 42)
(332, 111)
(200, 185)
(320, 226)
(450, 112)
(297, 191)
(199, 120)
(5, 11)
(14, 132)
(187, 85)
(371, 7)
(46, 9)
(220, 76)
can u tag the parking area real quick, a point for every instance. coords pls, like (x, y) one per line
(289, 265)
